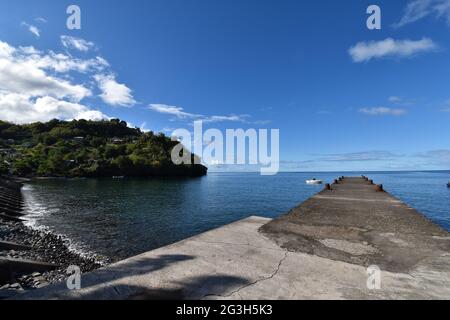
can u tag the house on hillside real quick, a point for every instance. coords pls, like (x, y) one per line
(5, 151)
(117, 141)
(10, 153)
(70, 163)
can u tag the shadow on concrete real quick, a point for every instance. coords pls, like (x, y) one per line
(192, 288)
(102, 284)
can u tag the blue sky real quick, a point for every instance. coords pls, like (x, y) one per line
(344, 97)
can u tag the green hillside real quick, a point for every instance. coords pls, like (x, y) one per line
(83, 148)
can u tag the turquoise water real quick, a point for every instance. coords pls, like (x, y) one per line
(122, 218)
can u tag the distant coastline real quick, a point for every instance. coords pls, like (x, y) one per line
(358, 172)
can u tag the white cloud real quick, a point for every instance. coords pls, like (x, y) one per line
(231, 118)
(381, 111)
(30, 50)
(29, 93)
(143, 127)
(436, 157)
(33, 29)
(401, 101)
(40, 20)
(168, 130)
(24, 68)
(395, 99)
(76, 43)
(20, 108)
(179, 113)
(17, 75)
(40, 85)
(366, 51)
(172, 110)
(62, 63)
(114, 93)
(419, 9)
(6, 50)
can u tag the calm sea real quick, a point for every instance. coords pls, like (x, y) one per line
(122, 218)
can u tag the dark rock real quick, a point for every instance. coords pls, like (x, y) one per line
(42, 246)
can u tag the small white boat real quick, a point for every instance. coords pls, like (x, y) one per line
(118, 177)
(314, 181)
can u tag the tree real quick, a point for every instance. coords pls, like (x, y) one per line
(4, 168)
(48, 149)
(23, 167)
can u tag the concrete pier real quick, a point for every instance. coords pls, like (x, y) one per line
(356, 223)
(319, 250)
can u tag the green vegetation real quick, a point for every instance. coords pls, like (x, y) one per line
(83, 148)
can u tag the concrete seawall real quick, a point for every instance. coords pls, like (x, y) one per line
(319, 250)
(11, 201)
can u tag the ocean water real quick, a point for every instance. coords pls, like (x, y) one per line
(121, 218)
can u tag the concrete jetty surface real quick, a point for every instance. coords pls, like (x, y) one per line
(319, 250)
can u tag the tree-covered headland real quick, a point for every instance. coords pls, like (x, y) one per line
(82, 148)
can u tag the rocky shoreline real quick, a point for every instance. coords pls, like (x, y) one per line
(30, 258)
(45, 247)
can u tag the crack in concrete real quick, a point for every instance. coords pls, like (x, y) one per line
(116, 290)
(273, 274)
